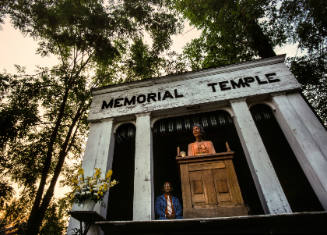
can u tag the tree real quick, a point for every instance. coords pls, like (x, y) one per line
(304, 23)
(233, 31)
(309, 30)
(48, 110)
(3, 9)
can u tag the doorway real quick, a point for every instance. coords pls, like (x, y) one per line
(120, 206)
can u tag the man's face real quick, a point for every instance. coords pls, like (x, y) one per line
(196, 131)
(167, 187)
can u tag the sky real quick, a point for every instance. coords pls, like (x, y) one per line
(15, 48)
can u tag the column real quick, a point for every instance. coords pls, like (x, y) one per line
(307, 138)
(98, 154)
(143, 208)
(314, 126)
(266, 181)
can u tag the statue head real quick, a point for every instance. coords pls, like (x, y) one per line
(197, 130)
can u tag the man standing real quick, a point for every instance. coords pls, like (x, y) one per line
(167, 206)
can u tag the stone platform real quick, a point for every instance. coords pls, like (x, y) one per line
(295, 223)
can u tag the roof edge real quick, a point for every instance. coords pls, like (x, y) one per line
(190, 74)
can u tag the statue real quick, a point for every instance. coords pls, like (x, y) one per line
(200, 146)
(167, 206)
(209, 182)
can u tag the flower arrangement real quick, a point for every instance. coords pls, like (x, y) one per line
(92, 188)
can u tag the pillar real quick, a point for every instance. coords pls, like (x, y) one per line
(307, 138)
(266, 181)
(143, 206)
(98, 154)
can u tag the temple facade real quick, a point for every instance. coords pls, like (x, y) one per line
(279, 143)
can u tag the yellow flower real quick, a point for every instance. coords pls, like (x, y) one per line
(97, 172)
(109, 173)
(80, 171)
(113, 183)
(92, 187)
(75, 180)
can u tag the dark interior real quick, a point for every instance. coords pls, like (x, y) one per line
(121, 196)
(170, 133)
(298, 190)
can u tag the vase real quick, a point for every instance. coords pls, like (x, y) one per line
(87, 205)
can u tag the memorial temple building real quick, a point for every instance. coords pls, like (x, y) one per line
(268, 174)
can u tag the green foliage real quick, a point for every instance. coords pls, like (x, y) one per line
(231, 31)
(54, 220)
(316, 95)
(308, 69)
(18, 115)
(3, 9)
(309, 30)
(142, 63)
(6, 193)
(91, 25)
(27, 117)
(304, 22)
(309, 24)
(14, 212)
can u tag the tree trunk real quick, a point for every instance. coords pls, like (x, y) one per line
(32, 225)
(258, 40)
(62, 155)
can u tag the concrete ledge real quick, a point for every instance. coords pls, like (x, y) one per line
(294, 223)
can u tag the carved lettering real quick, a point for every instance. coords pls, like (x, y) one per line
(117, 102)
(223, 86)
(270, 77)
(109, 105)
(260, 81)
(248, 80)
(238, 84)
(141, 98)
(167, 95)
(213, 86)
(152, 96)
(129, 102)
(178, 95)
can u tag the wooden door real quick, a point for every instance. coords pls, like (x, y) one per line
(202, 189)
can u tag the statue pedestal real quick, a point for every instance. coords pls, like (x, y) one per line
(210, 187)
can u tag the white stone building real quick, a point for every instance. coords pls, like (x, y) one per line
(280, 144)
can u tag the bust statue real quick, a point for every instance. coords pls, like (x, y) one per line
(200, 146)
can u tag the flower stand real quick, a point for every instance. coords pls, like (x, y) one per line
(84, 212)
